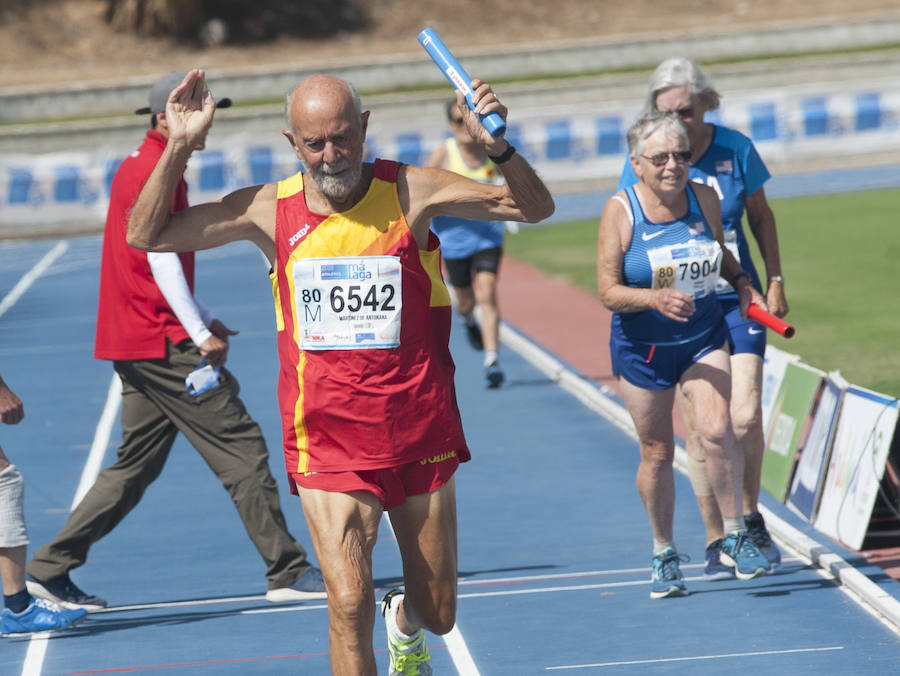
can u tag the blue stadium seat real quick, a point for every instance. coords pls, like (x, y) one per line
(409, 149)
(66, 183)
(868, 111)
(559, 140)
(20, 182)
(610, 138)
(763, 126)
(815, 116)
(212, 170)
(260, 160)
(110, 167)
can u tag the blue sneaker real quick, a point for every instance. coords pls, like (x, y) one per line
(666, 579)
(309, 587)
(40, 615)
(756, 526)
(493, 376)
(715, 569)
(739, 552)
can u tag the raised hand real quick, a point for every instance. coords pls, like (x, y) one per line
(189, 110)
(485, 101)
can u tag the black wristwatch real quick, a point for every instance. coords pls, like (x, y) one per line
(505, 155)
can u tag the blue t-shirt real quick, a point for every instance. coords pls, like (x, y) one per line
(732, 167)
(462, 238)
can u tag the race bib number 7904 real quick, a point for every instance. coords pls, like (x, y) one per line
(348, 303)
(692, 267)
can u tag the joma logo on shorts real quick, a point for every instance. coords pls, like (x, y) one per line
(300, 234)
(440, 457)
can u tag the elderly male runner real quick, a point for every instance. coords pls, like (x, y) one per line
(366, 384)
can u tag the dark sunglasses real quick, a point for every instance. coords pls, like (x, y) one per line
(661, 159)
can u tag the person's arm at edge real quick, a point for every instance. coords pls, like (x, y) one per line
(11, 409)
(761, 220)
(730, 269)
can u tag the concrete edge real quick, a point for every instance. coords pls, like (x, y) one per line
(603, 400)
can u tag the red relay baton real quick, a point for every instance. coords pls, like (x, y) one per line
(767, 319)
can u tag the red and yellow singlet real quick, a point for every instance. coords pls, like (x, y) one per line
(363, 319)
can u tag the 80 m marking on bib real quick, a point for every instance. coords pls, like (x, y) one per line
(358, 299)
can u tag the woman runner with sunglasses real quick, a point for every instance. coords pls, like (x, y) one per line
(727, 161)
(659, 256)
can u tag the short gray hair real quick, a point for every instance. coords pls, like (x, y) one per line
(679, 71)
(646, 125)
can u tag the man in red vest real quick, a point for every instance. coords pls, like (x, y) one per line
(368, 402)
(169, 352)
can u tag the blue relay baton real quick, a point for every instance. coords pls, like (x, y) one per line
(458, 77)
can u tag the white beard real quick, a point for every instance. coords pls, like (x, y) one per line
(337, 188)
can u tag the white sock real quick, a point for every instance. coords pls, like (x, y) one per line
(660, 547)
(392, 620)
(733, 524)
(490, 356)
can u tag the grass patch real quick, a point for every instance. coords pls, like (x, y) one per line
(840, 258)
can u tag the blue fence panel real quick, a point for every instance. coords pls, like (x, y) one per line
(559, 140)
(109, 171)
(763, 125)
(815, 116)
(409, 149)
(868, 111)
(20, 183)
(66, 183)
(212, 170)
(610, 138)
(260, 160)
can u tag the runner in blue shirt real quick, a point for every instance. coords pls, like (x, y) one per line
(727, 161)
(659, 258)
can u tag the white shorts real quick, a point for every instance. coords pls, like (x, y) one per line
(12, 508)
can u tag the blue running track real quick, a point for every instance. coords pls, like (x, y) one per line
(554, 542)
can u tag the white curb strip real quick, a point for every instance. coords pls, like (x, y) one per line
(599, 398)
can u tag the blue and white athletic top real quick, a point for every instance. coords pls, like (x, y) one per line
(683, 254)
(732, 167)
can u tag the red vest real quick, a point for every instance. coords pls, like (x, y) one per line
(360, 409)
(133, 317)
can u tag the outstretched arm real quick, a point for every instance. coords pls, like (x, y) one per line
(425, 193)
(762, 224)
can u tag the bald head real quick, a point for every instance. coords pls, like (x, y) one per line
(328, 133)
(321, 96)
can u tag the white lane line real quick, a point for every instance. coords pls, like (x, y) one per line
(101, 440)
(459, 651)
(37, 645)
(34, 658)
(31, 276)
(181, 604)
(761, 653)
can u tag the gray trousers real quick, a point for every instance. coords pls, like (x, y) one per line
(155, 407)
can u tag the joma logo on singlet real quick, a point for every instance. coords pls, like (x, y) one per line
(300, 234)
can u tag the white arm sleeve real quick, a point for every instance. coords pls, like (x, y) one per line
(169, 277)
